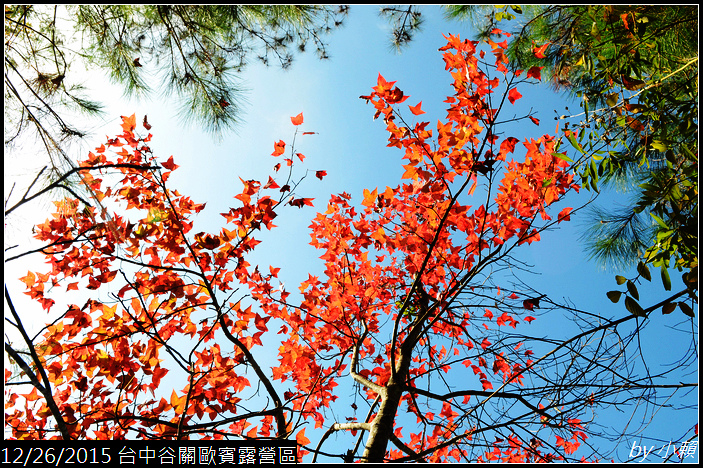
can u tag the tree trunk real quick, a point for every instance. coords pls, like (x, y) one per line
(382, 425)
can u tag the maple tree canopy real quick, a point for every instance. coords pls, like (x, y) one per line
(401, 302)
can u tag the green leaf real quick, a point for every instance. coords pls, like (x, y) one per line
(547, 182)
(575, 143)
(612, 99)
(665, 278)
(594, 170)
(634, 308)
(686, 309)
(594, 29)
(516, 9)
(668, 308)
(620, 279)
(632, 289)
(614, 296)
(594, 184)
(644, 271)
(661, 235)
(659, 146)
(563, 157)
(659, 221)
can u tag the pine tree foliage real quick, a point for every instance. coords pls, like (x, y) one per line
(634, 69)
(195, 52)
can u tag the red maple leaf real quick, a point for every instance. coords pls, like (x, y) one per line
(531, 303)
(564, 215)
(300, 202)
(279, 148)
(383, 85)
(271, 184)
(514, 95)
(297, 120)
(535, 72)
(169, 164)
(539, 50)
(396, 96)
(416, 109)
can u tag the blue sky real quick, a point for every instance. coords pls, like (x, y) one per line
(351, 147)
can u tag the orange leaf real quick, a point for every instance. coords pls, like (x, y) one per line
(175, 401)
(383, 85)
(508, 145)
(514, 95)
(301, 439)
(370, 198)
(473, 185)
(279, 148)
(564, 215)
(416, 109)
(624, 21)
(410, 172)
(129, 123)
(29, 280)
(539, 50)
(297, 120)
(271, 184)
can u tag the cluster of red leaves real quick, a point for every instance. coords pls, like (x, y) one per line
(104, 360)
(513, 450)
(372, 256)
